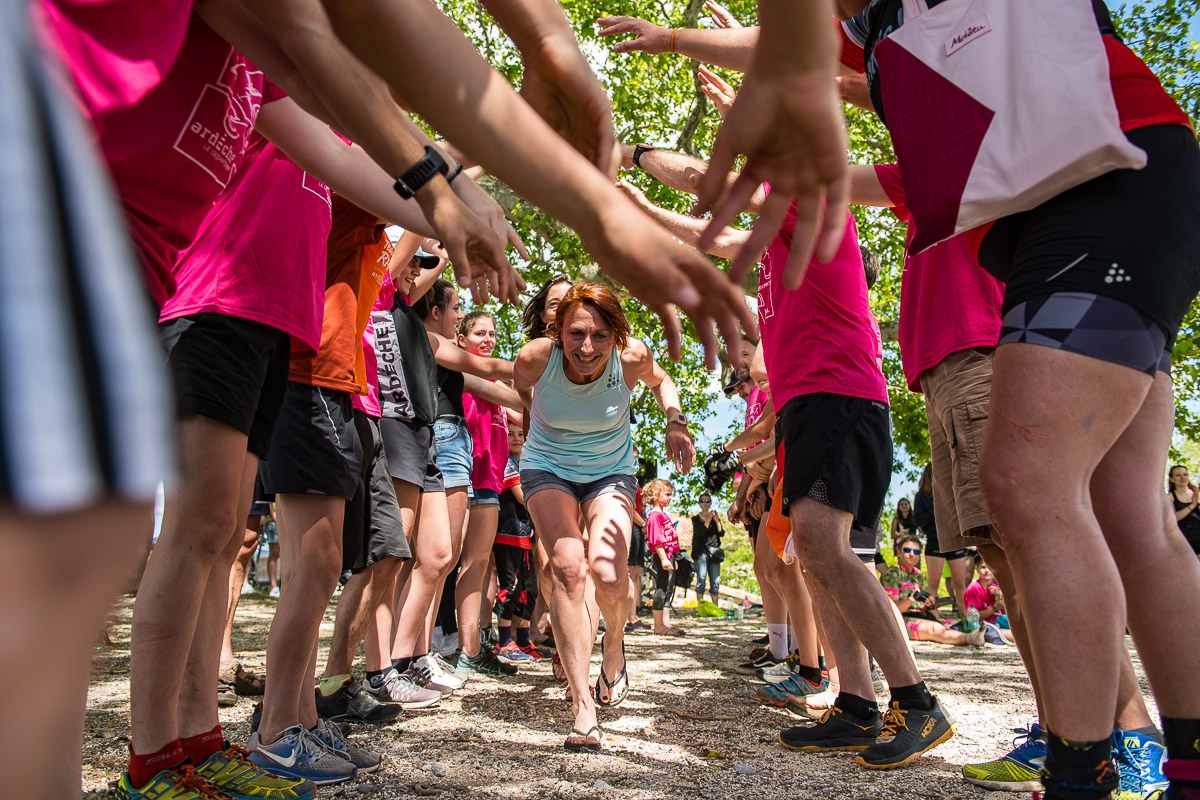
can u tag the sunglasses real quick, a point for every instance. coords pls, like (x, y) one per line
(706, 501)
(912, 550)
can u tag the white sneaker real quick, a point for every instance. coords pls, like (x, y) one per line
(439, 679)
(397, 688)
(247, 588)
(445, 645)
(274, 592)
(778, 673)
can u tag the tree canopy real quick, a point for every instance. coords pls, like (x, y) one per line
(656, 100)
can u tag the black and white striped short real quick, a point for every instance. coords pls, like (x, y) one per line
(84, 403)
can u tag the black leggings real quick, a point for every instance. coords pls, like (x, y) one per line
(664, 584)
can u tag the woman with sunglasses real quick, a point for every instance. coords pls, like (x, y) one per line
(707, 554)
(903, 583)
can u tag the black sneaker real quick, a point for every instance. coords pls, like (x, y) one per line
(906, 734)
(351, 704)
(835, 730)
(765, 661)
(484, 663)
(763, 640)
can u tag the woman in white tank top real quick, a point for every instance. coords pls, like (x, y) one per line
(577, 461)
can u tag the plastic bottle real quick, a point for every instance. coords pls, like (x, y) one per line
(971, 621)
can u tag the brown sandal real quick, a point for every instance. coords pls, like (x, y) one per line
(582, 741)
(241, 682)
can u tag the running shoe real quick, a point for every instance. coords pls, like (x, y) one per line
(513, 654)
(274, 593)
(298, 754)
(331, 737)
(1138, 760)
(751, 667)
(764, 640)
(402, 689)
(440, 679)
(536, 653)
(232, 771)
(836, 730)
(351, 704)
(181, 783)
(485, 663)
(906, 734)
(1018, 771)
(449, 665)
(776, 694)
(781, 671)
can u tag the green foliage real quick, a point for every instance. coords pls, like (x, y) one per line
(655, 100)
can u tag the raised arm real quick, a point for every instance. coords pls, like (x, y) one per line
(688, 230)
(491, 391)
(557, 80)
(411, 43)
(788, 122)
(732, 48)
(451, 356)
(683, 172)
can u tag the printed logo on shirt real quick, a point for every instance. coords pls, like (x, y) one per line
(394, 402)
(766, 309)
(215, 134)
(311, 184)
(972, 31)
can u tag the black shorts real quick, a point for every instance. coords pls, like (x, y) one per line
(839, 446)
(231, 370)
(316, 448)
(411, 454)
(1130, 235)
(517, 581)
(862, 542)
(637, 547)
(752, 531)
(932, 551)
(372, 530)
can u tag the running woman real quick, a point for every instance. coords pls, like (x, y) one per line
(578, 461)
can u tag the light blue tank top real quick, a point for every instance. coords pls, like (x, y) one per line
(580, 432)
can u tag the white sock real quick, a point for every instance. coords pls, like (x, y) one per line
(777, 632)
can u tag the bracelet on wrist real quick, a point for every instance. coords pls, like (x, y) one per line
(673, 39)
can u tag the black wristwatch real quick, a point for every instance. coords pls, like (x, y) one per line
(638, 149)
(420, 173)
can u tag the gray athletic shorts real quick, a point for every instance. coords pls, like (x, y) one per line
(535, 480)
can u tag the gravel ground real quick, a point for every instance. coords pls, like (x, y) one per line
(503, 738)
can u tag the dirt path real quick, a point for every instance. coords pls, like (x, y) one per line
(503, 738)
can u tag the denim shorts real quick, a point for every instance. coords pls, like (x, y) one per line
(535, 480)
(453, 443)
(485, 497)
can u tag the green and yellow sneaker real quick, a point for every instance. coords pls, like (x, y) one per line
(181, 783)
(231, 772)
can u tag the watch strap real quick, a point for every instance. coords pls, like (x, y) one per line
(638, 150)
(420, 173)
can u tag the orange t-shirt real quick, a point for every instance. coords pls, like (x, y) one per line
(355, 267)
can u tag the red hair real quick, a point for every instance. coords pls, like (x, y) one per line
(603, 301)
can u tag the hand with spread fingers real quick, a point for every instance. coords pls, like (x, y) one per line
(488, 210)
(720, 15)
(788, 122)
(475, 249)
(647, 37)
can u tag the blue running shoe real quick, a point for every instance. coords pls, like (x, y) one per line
(298, 755)
(1019, 771)
(777, 694)
(1138, 759)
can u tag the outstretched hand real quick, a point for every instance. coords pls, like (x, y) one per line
(647, 37)
(475, 248)
(716, 89)
(789, 125)
(480, 202)
(720, 15)
(664, 274)
(563, 90)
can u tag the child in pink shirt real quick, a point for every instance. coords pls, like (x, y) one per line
(664, 543)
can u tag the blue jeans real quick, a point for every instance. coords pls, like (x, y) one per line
(712, 569)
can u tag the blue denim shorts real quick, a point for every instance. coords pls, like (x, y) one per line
(453, 443)
(485, 497)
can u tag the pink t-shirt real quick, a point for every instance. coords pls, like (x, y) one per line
(660, 532)
(118, 50)
(821, 337)
(756, 404)
(369, 403)
(948, 302)
(488, 424)
(978, 597)
(260, 252)
(174, 152)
